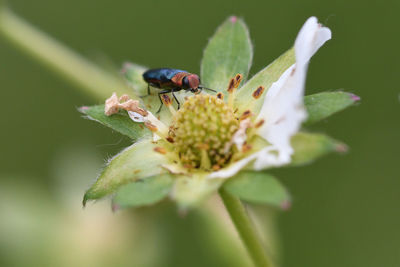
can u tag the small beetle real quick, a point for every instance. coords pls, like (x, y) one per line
(172, 80)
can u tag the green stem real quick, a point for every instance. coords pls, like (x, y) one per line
(94, 81)
(246, 229)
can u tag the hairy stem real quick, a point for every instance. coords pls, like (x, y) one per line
(89, 77)
(246, 229)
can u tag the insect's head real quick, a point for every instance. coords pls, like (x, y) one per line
(191, 82)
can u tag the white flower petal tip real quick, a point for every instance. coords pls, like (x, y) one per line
(310, 38)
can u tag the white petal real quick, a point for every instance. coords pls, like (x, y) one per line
(267, 157)
(233, 168)
(263, 158)
(136, 117)
(283, 109)
(240, 136)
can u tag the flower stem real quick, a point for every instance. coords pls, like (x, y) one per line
(246, 229)
(92, 79)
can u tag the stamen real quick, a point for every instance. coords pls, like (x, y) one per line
(260, 123)
(216, 167)
(151, 126)
(245, 115)
(220, 96)
(238, 79)
(246, 147)
(258, 92)
(156, 126)
(233, 85)
(142, 112)
(160, 150)
(168, 102)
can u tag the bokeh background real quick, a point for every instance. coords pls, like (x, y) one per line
(346, 207)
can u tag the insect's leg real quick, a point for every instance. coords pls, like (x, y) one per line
(208, 89)
(159, 97)
(161, 103)
(176, 99)
(148, 91)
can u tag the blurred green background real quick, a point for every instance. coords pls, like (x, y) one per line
(345, 210)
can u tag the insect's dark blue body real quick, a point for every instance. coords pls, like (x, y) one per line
(172, 80)
(160, 77)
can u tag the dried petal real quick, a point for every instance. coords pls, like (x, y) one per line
(111, 105)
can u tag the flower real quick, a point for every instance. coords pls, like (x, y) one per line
(235, 133)
(283, 108)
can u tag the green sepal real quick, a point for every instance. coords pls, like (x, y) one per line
(322, 105)
(265, 77)
(310, 146)
(120, 122)
(189, 191)
(228, 53)
(143, 192)
(133, 74)
(259, 188)
(134, 163)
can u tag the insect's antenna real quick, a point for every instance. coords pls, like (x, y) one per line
(209, 89)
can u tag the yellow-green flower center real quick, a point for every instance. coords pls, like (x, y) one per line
(202, 132)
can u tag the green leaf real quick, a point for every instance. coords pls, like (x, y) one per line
(310, 146)
(119, 122)
(266, 77)
(228, 53)
(258, 187)
(135, 162)
(143, 192)
(322, 105)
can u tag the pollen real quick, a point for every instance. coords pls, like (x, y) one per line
(202, 131)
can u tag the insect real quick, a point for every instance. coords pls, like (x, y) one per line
(172, 80)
